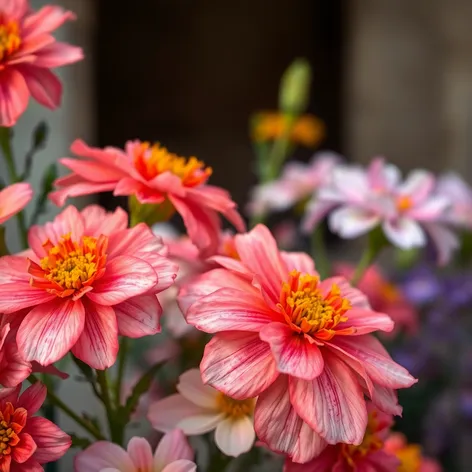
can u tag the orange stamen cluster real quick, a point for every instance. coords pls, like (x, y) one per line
(370, 444)
(70, 267)
(153, 160)
(12, 423)
(309, 311)
(404, 203)
(410, 458)
(235, 408)
(10, 39)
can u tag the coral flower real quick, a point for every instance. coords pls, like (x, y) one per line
(302, 345)
(154, 176)
(28, 441)
(384, 296)
(369, 456)
(87, 279)
(199, 408)
(408, 212)
(173, 454)
(28, 52)
(13, 199)
(297, 183)
(410, 455)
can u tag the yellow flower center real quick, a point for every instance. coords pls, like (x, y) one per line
(70, 266)
(10, 39)
(308, 310)
(235, 408)
(153, 160)
(404, 203)
(9, 429)
(6, 434)
(410, 458)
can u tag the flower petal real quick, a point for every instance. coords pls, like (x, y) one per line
(194, 390)
(98, 221)
(101, 455)
(50, 330)
(366, 321)
(235, 436)
(13, 199)
(238, 364)
(33, 398)
(293, 353)
(14, 95)
(350, 222)
(181, 465)
(444, 240)
(140, 453)
(404, 233)
(24, 449)
(172, 447)
(299, 261)
(43, 85)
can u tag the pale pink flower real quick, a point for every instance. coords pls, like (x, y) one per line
(28, 52)
(87, 279)
(173, 454)
(409, 212)
(302, 345)
(384, 296)
(154, 176)
(28, 441)
(369, 456)
(199, 409)
(454, 188)
(297, 182)
(14, 198)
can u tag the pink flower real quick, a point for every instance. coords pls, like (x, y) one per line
(410, 455)
(302, 345)
(408, 211)
(199, 408)
(384, 296)
(459, 193)
(155, 176)
(173, 454)
(28, 441)
(87, 279)
(28, 52)
(14, 198)
(369, 456)
(297, 182)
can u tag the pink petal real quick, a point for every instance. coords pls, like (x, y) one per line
(14, 368)
(315, 212)
(404, 233)
(31, 465)
(293, 353)
(351, 222)
(444, 240)
(15, 297)
(125, 277)
(13, 199)
(101, 455)
(200, 424)
(235, 436)
(14, 96)
(299, 261)
(24, 449)
(98, 345)
(33, 398)
(418, 185)
(230, 310)
(50, 330)
(50, 370)
(92, 171)
(79, 189)
(238, 364)
(182, 465)
(57, 54)
(332, 404)
(43, 85)
(324, 462)
(52, 442)
(258, 251)
(172, 447)
(309, 445)
(140, 452)
(194, 390)
(138, 316)
(14, 269)
(366, 321)
(15, 8)
(98, 221)
(386, 400)
(46, 20)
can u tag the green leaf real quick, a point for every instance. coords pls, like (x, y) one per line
(77, 441)
(46, 186)
(38, 143)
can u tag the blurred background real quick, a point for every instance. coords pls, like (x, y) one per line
(390, 78)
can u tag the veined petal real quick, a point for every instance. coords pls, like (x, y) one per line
(139, 316)
(299, 261)
(101, 455)
(293, 353)
(366, 321)
(172, 447)
(24, 449)
(386, 399)
(33, 398)
(238, 364)
(140, 453)
(15, 96)
(98, 221)
(16, 296)
(235, 436)
(43, 85)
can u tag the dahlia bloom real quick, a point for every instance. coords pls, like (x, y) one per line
(302, 345)
(297, 182)
(199, 408)
(154, 176)
(369, 456)
(86, 279)
(173, 454)
(411, 459)
(28, 441)
(408, 211)
(28, 52)
(14, 198)
(384, 296)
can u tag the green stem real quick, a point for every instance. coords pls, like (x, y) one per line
(124, 347)
(5, 144)
(56, 401)
(279, 150)
(116, 430)
(318, 252)
(377, 242)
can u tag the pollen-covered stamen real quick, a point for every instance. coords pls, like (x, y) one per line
(235, 408)
(404, 203)
(9, 429)
(307, 309)
(153, 160)
(70, 266)
(10, 39)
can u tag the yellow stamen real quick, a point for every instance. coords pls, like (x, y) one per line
(151, 161)
(404, 203)
(410, 458)
(235, 408)
(10, 39)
